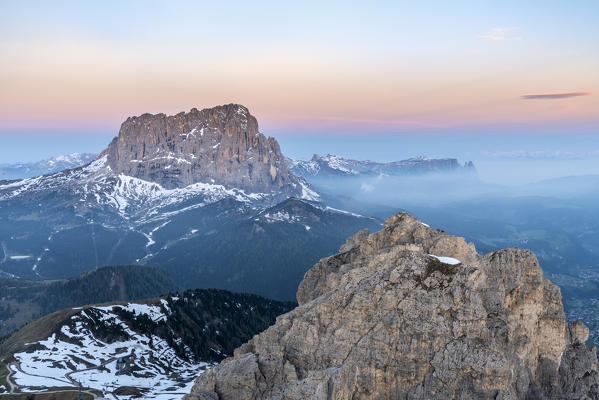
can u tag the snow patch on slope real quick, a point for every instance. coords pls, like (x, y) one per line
(132, 198)
(307, 192)
(130, 193)
(280, 216)
(96, 185)
(77, 354)
(339, 163)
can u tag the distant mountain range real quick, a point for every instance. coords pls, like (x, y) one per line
(331, 165)
(325, 165)
(49, 166)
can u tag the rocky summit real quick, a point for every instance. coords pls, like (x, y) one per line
(220, 145)
(411, 312)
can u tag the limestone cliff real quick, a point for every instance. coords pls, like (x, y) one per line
(219, 145)
(410, 312)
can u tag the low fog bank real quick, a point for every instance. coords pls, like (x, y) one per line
(396, 191)
(558, 218)
(500, 159)
(543, 201)
(499, 180)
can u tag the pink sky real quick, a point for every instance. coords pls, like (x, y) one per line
(336, 68)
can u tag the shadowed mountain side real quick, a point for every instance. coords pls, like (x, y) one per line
(267, 254)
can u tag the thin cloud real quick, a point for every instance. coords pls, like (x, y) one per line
(497, 34)
(551, 96)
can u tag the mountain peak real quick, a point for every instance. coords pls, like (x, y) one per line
(412, 312)
(220, 145)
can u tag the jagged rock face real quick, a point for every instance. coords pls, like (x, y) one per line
(219, 145)
(385, 319)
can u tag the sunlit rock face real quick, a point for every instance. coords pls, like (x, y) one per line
(413, 313)
(220, 145)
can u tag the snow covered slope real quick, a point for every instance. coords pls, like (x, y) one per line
(94, 186)
(60, 225)
(148, 347)
(56, 213)
(76, 354)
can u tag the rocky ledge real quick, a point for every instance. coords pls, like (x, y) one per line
(410, 312)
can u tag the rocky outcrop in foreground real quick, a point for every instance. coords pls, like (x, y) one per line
(413, 313)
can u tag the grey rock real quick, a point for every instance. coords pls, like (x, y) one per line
(385, 319)
(220, 145)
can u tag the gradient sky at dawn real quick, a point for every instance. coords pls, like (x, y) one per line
(74, 70)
